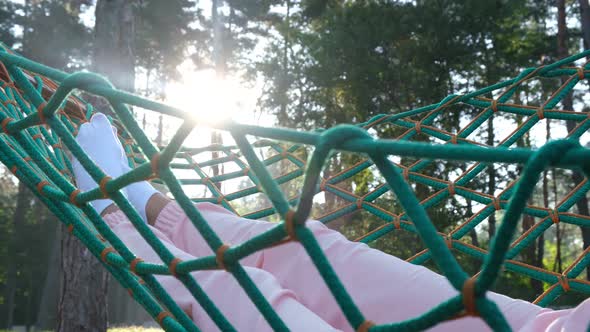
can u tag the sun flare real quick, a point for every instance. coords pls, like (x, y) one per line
(209, 98)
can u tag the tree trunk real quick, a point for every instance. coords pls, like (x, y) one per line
(46, 317)
(491, 180)
(82, 306)
(219, 61)
(582, 203)
(585, 18)
(114, 47)
(22, 204)
(83, 297)
(472, 232)
(284, 80)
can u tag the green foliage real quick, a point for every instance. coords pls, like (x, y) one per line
(8, 15)
(57, 21)
(332, 62)
(165, 30)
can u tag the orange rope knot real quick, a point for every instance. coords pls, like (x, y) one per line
(37, 136)
(365, 326)
(219, 255)
(5, 85)
(9, 102)
(290, 225)
(284, 153)
(496, 203)
(397, 220)
(246, 171)
(418, 127)
(4, 123)
(163, 315)
(27, 159)
(406, 174)
(172, 266)
(494, 105)
(580, 73)
(56, 146)
(323, 185)
(449, 241)
(359, 204)
(42, 119)
(41, 185)
(133, 264)
(468, 294)
(155, 167)
(103, 186)
(541, 113)
(564, 283)
(554, 216)
(70, 228)
(13, 169)
(452, 188)
(130, 292)
(105, 251)
(73, 196)
(454, 139)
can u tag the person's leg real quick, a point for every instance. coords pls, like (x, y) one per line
(221, 287)
(570, 320)
(385, 288)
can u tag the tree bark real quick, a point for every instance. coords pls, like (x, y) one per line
(491, 180)
(219, 62)
(82, 305)
(22, 204)
(582, 203)
(46, 316)
(585, 18)
(84, 282)
(472, 232)
(114, 47)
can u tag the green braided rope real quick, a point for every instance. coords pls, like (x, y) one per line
(33, 151)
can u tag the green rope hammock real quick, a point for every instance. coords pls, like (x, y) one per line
(40, 109)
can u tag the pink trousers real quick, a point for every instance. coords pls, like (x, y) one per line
(385, 288)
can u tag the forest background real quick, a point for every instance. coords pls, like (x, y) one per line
(312, 64)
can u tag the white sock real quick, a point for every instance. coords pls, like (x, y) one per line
(139, 195)
(99, 140)
(100, 143)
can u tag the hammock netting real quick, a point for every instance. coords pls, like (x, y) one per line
(41, 108)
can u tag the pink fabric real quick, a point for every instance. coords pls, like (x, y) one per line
(221, 287)
(385, 288)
